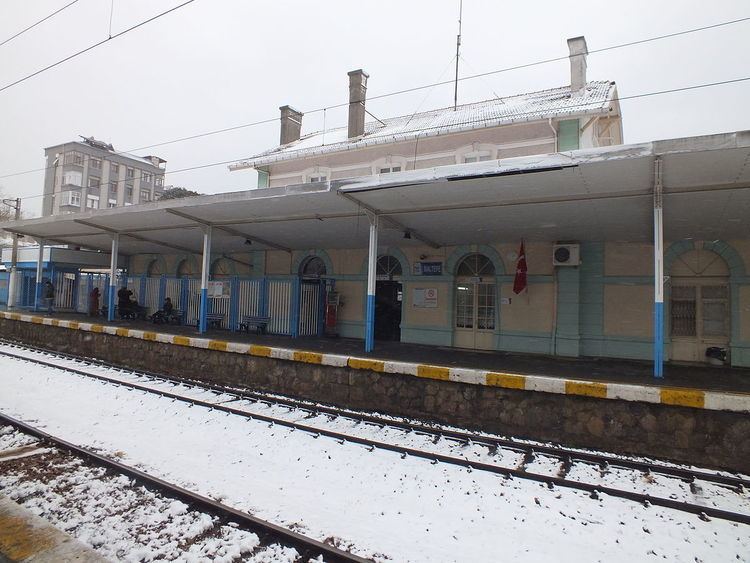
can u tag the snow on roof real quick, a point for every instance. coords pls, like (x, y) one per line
(597, 98)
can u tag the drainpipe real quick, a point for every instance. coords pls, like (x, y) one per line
(554, 131)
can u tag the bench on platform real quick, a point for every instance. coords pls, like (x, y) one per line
(257, 322)
(213, 320)
(160, 317)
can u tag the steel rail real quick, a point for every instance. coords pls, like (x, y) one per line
(594, 490)
(467, 437)
(303, 544)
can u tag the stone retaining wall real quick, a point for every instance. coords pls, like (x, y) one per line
(700, 436)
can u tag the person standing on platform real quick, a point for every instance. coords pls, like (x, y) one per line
(48, 294)
(94, 302)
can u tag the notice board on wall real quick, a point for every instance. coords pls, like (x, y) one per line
(425, 297)
(218, 289)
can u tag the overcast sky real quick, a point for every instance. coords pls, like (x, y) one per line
(220, 63)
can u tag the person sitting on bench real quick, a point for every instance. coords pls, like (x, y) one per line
(166, 314)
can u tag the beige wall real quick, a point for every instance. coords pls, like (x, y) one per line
(530, 311)
(628, 259)
(352, 298)
(278, 263)
(628, 310)
(426, 152)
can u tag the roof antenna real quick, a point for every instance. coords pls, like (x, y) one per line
(458, 50)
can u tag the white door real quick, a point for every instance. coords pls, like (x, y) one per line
(700, 319)
(475, 315)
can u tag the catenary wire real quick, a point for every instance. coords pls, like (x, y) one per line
(33, 25)
(405, 91)
(469, 122)
(95, 45)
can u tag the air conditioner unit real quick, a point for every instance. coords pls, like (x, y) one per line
(566, 255)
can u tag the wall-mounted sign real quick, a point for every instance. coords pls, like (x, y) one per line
(218, 289)
(425, 297)
(428, 268)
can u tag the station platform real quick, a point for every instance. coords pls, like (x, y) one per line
(683, 384)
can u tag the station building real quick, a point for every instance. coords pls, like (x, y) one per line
(411, 232)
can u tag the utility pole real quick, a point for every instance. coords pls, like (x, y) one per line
(458, 53)
(16, 204)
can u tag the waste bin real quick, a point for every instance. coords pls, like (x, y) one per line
(716, 356)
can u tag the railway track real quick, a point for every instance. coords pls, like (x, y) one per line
(550, 465)
(308, 548)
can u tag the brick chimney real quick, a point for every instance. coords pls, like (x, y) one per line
(357, 94)
(578, 52)
(291, 124)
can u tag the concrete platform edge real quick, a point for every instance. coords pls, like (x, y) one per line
(26, 537)
(673, 396)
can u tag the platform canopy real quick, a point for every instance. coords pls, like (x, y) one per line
(594, 194)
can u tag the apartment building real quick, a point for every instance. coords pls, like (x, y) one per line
(583, 114)
(89, 174)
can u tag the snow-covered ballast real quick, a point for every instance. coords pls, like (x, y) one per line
(444, 250)
(689, 425)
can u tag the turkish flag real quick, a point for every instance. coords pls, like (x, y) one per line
(519, 283)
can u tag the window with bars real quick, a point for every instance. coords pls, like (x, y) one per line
(465, 306)
(683, 310)
(486, 306)
(715, 310)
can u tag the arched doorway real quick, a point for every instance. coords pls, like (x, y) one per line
(475, 314)
(312, 271)
(699, 305)
(388, 298)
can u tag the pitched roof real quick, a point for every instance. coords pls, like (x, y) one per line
(597, 98)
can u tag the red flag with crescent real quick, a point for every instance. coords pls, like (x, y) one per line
(519, 283)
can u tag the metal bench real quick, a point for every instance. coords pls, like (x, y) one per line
(174, 317)
(213, 320)
(260, 323)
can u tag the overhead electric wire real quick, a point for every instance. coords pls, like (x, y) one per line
(95, 45)
(32, 26)
(399, 92)
(469, 122)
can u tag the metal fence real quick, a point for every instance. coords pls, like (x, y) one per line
(295, 307)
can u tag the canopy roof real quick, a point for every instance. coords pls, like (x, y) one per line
(595, 194)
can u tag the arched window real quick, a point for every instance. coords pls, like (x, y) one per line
(154, 269)
(388, 267)
(185, 269)
(221, 268)
(475, 266)
(312, 267)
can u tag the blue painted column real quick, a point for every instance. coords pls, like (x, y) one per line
(234, 303)
(39, 270)
(372, 260)
(113, 277)
(658, 273)
(296, 303)
(205, 265)
(162, 290)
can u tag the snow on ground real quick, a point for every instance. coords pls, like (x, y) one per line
(121, 521)
(378, 504)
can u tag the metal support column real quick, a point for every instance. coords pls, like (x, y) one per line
(13, 277)
(113, 277)
(39, 270)
(658, 273)
(372, 260)
(205, 265)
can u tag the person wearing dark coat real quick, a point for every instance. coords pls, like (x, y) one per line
(94, 302)
(48, 295)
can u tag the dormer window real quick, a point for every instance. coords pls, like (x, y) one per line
(389, 169)
(389, 164)
(316, 174)
(477, 157)
(476, 152)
